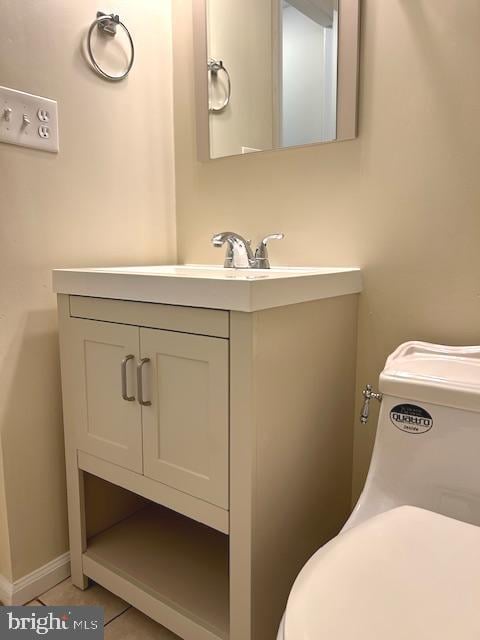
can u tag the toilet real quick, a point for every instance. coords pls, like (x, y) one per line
(407, 562)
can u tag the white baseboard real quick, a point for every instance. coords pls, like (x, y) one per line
(34, 584)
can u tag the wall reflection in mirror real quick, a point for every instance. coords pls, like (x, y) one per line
(272, 73)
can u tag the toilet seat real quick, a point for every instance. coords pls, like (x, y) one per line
(406, 573)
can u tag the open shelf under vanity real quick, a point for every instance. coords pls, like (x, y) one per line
(170, 567)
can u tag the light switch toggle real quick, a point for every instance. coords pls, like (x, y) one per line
(26, 121)
(7, 114)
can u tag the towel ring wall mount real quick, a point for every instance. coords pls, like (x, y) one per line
(214, 67)
(107, 24)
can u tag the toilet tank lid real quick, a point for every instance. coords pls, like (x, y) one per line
(434, 373)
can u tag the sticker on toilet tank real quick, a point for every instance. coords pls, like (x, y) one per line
(411, 418)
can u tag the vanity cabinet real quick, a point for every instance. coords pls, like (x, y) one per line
(233, 429)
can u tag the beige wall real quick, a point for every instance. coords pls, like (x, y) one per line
(402, 201)
(5, 561)
(107, 198)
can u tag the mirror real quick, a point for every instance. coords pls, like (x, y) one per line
(273, 74)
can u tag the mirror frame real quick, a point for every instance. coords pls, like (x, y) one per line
(347, 82)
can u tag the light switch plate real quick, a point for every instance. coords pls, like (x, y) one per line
(28, 121)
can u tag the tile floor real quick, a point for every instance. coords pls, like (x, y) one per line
(122, 622)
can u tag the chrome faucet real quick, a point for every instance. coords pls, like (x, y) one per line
(239, 251)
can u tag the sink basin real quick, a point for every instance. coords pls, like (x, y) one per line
(210, 286)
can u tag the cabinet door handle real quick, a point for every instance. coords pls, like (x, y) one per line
(144, 403)
(123, 370)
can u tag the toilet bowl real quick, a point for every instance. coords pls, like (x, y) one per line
(396, 570)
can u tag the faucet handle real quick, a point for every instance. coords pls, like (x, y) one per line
(272, 236)
(261, 254)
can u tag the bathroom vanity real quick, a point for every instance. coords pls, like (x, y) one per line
(216, 407)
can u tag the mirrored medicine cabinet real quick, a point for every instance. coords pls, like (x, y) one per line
(273, 74)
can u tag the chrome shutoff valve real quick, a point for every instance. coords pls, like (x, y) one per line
(368, 394)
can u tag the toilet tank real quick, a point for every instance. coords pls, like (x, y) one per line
(427, 447)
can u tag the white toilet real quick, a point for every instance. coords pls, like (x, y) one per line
(398, 571)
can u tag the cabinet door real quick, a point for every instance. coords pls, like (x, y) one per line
(108, 425)
(185, 430)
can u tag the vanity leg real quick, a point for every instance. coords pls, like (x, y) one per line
(75, 477)
(76, 520)
(242, 474)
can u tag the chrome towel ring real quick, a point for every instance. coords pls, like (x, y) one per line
(107, 24)
(214, 67)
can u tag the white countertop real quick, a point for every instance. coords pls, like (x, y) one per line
(211, 287)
